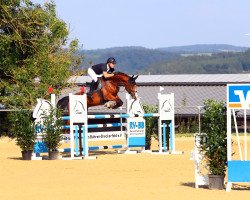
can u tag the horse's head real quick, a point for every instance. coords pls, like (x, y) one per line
(131, 86)
(127, 81)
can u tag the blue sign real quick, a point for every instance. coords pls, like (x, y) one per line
(136, 132)
(238, 96)
(136, 125)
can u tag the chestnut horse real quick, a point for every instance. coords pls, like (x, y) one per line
(108, 94)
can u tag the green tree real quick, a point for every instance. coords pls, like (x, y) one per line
(32, 52)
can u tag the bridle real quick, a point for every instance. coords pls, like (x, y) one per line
(127, 84)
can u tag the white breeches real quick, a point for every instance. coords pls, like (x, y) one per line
(93, 75)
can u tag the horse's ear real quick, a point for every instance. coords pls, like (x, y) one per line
(135, 77)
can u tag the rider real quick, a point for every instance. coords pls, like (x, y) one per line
(99, 70)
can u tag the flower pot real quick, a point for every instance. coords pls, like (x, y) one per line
(26, 155)
(53, 155)
(216, 182)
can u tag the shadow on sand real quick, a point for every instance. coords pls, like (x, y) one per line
(192, 185)
(15, 158)
(240, 187)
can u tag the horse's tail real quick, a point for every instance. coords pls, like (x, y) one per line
(63, 104)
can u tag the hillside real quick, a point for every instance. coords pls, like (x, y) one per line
(174, 60)
(129, 59)
(204, 48)
(219, 63)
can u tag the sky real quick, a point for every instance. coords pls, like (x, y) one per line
(99, 24)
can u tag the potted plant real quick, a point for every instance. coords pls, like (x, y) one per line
(52, 132)
(23, 128)
(214, 147)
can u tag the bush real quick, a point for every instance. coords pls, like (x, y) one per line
(189, 125)
(52, 129)
(215, 146)
(151, 124)
(23, 129)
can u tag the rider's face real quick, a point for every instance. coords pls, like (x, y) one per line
(111, 65)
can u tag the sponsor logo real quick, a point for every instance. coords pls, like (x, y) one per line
(238, 96)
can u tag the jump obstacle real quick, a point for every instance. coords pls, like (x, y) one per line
(238, 98)
(135, 126)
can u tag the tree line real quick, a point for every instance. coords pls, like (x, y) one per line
(160, 61)
(218, 63)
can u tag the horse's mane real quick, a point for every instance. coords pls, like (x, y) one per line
(120, 74)
(117, 76)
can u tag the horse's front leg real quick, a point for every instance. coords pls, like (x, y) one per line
(118, 103)
(110, 104)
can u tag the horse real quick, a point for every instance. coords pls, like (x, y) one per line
(107, 95)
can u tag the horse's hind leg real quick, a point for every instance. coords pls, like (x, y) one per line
(63, 104)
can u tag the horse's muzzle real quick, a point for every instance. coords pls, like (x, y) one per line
(134, 95)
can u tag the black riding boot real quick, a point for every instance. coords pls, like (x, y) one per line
(91, 88)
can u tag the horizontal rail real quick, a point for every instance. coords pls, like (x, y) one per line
(117, 116)
(99, 125)
(93, 148)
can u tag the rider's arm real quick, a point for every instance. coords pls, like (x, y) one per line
(107, 75)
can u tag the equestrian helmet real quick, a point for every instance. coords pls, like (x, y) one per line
(111, 60)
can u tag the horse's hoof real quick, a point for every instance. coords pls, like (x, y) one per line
(106, 105)
(109, 104)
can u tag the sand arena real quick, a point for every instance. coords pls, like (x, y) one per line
(111, 176)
